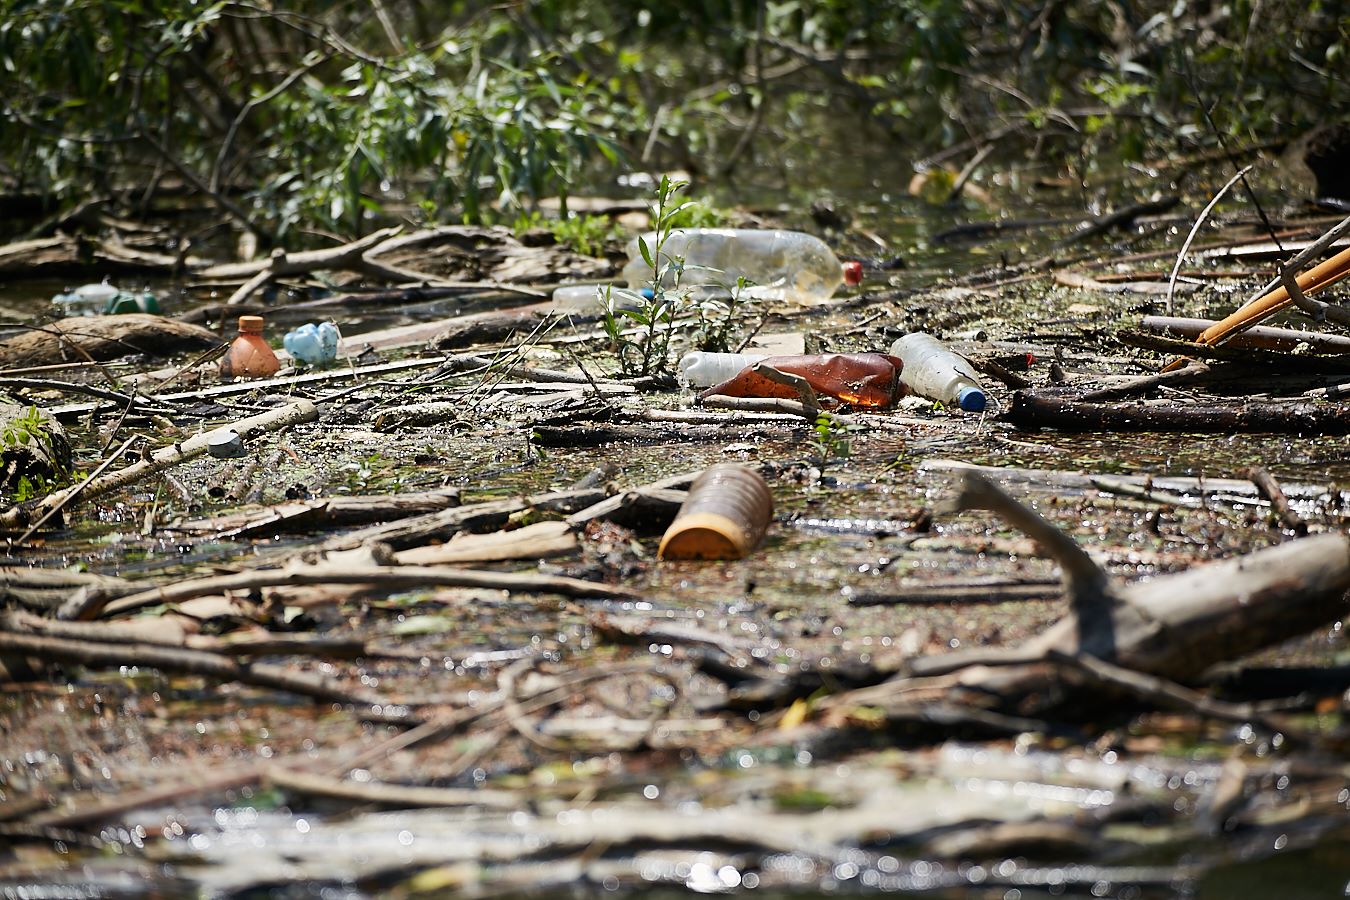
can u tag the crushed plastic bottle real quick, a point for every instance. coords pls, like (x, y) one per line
(591, 298)
(724, 517)
(703, 369)
(86, 300)
(934, 371)
(312, 344)
(127, 302)
(862, 379)
(781, 265)
(249, 356)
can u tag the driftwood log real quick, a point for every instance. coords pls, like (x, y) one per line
(1170, 628)
(103, 337)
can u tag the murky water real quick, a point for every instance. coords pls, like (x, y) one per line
(712, 802)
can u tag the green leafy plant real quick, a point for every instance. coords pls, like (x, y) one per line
(21, 430)
(717, 320)
(18, 438)
(584, 234)
(648, 353)
(832, 438)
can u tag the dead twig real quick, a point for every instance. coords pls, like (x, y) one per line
(1271, 490)
(1195, 229)
(1162, 691)
(386, 576)
(188, 661)
(1194, 371)
(1085, 581)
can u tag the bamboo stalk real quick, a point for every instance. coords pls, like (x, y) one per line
(1315, 279)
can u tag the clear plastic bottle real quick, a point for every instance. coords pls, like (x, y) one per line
(311, 344)
(86, 300)
(703, 369)
(589, 299)
(249, 356)
(781, 265)
(934, 371)
(862, 379)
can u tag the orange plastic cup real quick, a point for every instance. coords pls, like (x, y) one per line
(724, 517)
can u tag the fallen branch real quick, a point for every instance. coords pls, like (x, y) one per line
(1172, 627)
(1162, 691)
(1118, 218)
(388, 795)
(1251, 357)
(192, 662)
(1260, 336)
(383, 576)
(1194, 371)
(164, 458)
(1036, 409)
(1271, 490)
(102, 338)
(324, 512)
(489, 515)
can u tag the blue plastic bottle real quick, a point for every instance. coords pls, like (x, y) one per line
(311, 344)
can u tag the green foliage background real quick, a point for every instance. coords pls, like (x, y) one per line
(330, 115)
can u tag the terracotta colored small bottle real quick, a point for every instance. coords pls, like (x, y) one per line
(863, 379)
(724, 516)
(249, 356)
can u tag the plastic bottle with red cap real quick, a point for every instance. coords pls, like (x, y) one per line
(778, 265)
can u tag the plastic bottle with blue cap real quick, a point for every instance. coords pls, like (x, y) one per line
(934, 371)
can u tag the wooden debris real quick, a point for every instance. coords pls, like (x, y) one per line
(164, 458)
(542, 539)
(1260, 336)
(1271, 490)
(1173, 627)
(103, 337)
(1254, 358)
(218, 667)
(323, 513)
(385, 576)
(1043, 409)
(489, 515)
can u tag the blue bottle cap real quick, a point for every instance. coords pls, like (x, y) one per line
(971, 399)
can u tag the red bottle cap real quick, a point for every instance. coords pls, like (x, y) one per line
(852, 272)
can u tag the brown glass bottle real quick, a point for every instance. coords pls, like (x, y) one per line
(249, 356)
(862, 379)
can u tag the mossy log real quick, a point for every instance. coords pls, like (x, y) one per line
(33, 445)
